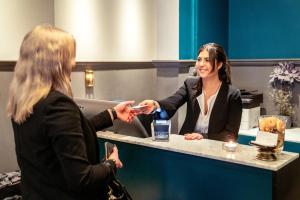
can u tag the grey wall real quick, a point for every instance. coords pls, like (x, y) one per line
(167, 84)
(127, 84)
(7, 154)
(257, 78)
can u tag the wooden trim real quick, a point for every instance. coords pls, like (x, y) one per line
(181, 64)
(173, 63)
(7, 66)
(260, 62)
(233, 62)
(99, 66)
(96, 66)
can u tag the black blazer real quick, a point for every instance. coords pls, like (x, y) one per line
(58, 153)
(225, 117)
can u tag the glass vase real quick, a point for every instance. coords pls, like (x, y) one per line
(273, 124)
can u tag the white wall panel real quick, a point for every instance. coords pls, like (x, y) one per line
(167, 29)
(17, 17)
(110, 30)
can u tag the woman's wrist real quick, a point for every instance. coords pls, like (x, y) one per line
(154, 106)
(113, 160)
(113, 114)
(111, 163)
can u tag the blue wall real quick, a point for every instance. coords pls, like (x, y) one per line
(200, 22)
(187, 29)
(264, 29)
(247, 29)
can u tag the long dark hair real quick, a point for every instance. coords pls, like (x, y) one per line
(217, 53)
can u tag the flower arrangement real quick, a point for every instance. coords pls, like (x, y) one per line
(283, 78)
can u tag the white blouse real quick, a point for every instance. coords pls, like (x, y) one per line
(203, 120)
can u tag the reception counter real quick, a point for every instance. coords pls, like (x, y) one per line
(201, 169)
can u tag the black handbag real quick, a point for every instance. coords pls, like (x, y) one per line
(117, 191)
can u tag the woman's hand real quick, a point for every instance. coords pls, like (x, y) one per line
(193, 136)
(151, 106)
(124, 111)
(115, 156)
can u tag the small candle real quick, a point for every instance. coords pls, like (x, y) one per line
(230, 146)
(230, 155)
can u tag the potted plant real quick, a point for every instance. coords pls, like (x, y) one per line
(283, 78)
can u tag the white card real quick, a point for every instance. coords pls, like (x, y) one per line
(266, 139)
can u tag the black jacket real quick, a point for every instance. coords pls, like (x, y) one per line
(58, 153)
(225, 117)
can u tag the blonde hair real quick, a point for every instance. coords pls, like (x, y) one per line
(47, 56)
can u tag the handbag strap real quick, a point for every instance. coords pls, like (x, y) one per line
(117, 191)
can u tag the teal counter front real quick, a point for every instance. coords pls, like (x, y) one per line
(181, 169)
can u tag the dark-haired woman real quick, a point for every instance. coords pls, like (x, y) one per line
(214, 106)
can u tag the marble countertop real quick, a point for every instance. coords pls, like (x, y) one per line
(245, 155)
(291, 135)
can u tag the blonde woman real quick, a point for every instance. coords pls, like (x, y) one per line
(56, 145)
